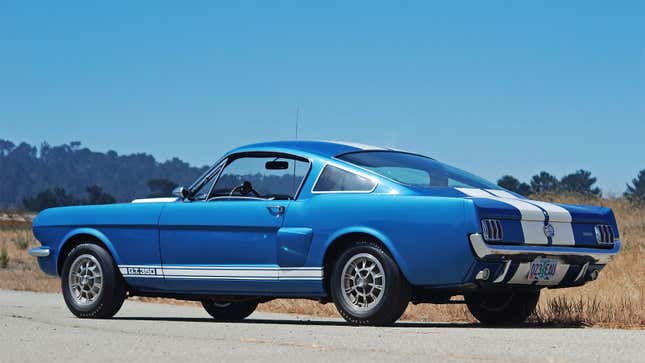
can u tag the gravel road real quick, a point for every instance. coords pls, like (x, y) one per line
(38, 327)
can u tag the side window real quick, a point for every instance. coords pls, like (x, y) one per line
(333, 179)
(261, 177)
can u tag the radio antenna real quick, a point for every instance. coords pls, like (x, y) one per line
(297, 119)
(293, 186)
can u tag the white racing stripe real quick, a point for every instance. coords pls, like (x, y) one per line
(534, 232)
(475, 193)
(529, 211)
(556, 213)
(222, 272)
(532, 216)
(559, 218)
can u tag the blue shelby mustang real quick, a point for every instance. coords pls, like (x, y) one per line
(368, 228)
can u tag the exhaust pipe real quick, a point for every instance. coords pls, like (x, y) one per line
(592, 275)
(483, 275)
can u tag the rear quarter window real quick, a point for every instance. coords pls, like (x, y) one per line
(334, 179)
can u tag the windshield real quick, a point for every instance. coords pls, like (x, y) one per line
(415, 170)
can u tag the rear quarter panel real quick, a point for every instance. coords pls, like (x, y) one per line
(427, 236)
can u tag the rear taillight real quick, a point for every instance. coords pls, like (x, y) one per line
(492, 229)
(604, 234)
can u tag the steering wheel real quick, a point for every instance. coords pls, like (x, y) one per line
(245, 189)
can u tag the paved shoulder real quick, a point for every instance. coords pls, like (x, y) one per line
(38, 327)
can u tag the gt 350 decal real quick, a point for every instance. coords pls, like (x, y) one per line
(141, 271)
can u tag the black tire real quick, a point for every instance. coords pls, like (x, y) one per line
(110, 297)
(508, 307)
(230, 311)
(395, 294)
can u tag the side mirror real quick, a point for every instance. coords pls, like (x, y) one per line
(181, 192)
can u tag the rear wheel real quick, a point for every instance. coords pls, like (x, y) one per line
(367, 286)
(230, 311)
(91, 284)
(503, 307)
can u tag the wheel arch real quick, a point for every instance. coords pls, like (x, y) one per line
(83, 235)
(339, 240)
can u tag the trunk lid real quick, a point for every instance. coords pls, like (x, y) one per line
(527, 221)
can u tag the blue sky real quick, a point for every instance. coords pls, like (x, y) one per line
(492, 87)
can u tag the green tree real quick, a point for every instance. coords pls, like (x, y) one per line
(160, 188)
(635, 193)
(96, 195)
(55, 197)
(544, 182)
(580, 182)
(509, 182)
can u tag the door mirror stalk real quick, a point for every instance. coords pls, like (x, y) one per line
(181, 192)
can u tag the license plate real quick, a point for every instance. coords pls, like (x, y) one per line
(542, 269)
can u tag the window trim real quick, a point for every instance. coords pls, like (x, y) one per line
(374, 181)
(219, 172)
(228, 159)
(212, 172)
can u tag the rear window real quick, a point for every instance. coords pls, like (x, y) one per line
(333, 179)
(415, 170)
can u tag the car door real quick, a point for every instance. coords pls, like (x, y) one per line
(226, 240)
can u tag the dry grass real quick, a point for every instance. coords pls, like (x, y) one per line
(22, 272)
(616, 299)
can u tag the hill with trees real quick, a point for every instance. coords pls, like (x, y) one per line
(35, 178)
(31, 177)
(578, 183)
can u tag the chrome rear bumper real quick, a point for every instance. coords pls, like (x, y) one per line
(40, 251)
(599, 256)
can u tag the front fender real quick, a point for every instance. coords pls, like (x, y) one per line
(91, 232)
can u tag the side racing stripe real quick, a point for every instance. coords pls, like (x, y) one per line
(222, 272)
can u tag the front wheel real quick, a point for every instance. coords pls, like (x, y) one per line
(92, 286)
(367, 286)
(229, 311)
(503, 307)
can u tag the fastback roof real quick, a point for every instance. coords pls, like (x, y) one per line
(324, 148)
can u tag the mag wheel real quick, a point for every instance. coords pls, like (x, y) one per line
(230, 311)
(91, 284)
(367, 286)
(502, 307)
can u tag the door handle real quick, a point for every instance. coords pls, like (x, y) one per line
(276, 209)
